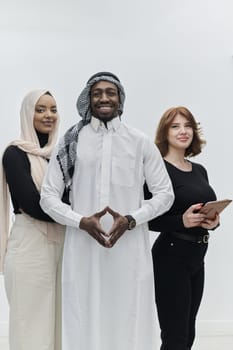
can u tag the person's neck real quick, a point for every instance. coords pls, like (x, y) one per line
(105, 122)
(43, 138)
(178, 160)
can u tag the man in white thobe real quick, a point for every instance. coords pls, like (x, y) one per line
(108, 287)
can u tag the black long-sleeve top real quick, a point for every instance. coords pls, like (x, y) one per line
(190, 187)
(24, 194)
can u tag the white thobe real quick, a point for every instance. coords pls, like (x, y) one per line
(108, 294)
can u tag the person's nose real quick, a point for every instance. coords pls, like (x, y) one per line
(104, 97)
(48, 113)
(182, 129)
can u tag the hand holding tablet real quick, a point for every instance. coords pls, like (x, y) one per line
(210, 209)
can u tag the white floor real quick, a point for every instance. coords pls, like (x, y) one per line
(201, 343)
(213, 343)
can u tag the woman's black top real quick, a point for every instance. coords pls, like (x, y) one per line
(24, 194)
(190, 187)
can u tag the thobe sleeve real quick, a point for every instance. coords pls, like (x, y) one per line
(51, 194)
(166, 222)
(159, 184)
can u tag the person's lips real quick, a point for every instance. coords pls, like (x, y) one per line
(105, 109)
(47, 123)
(183, 139)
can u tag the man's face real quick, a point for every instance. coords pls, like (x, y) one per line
(104, 100)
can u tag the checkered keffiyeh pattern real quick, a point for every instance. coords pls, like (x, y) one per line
(68, 144)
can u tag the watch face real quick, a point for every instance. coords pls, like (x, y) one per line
(132, 224)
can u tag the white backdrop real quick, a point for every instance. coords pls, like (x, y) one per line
(166, 53)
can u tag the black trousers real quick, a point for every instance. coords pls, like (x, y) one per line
(179, 282)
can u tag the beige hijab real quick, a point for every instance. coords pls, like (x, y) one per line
(29, 143)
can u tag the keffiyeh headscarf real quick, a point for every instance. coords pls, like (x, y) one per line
(68, 145)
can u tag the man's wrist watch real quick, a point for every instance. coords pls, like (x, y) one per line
(131, 222)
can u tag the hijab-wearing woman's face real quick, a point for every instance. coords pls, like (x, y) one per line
(180, 133)
(45, 115)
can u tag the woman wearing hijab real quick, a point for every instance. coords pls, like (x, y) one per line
(31, 254)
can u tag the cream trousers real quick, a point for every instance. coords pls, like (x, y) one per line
(33, 287)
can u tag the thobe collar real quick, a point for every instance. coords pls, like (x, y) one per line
(113, 124)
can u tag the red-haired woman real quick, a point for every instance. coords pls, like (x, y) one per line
(179, 250)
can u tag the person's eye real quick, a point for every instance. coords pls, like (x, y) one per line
(95, 94)
(111, 93)
(174, 126)
(40, 110)
(54, 110)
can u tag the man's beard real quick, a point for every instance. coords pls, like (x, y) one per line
(106, 119)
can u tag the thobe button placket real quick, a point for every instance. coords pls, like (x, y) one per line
(105, 168)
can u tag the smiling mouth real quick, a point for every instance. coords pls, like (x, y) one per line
(48, 123)
(104, 110)
(104, 107)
